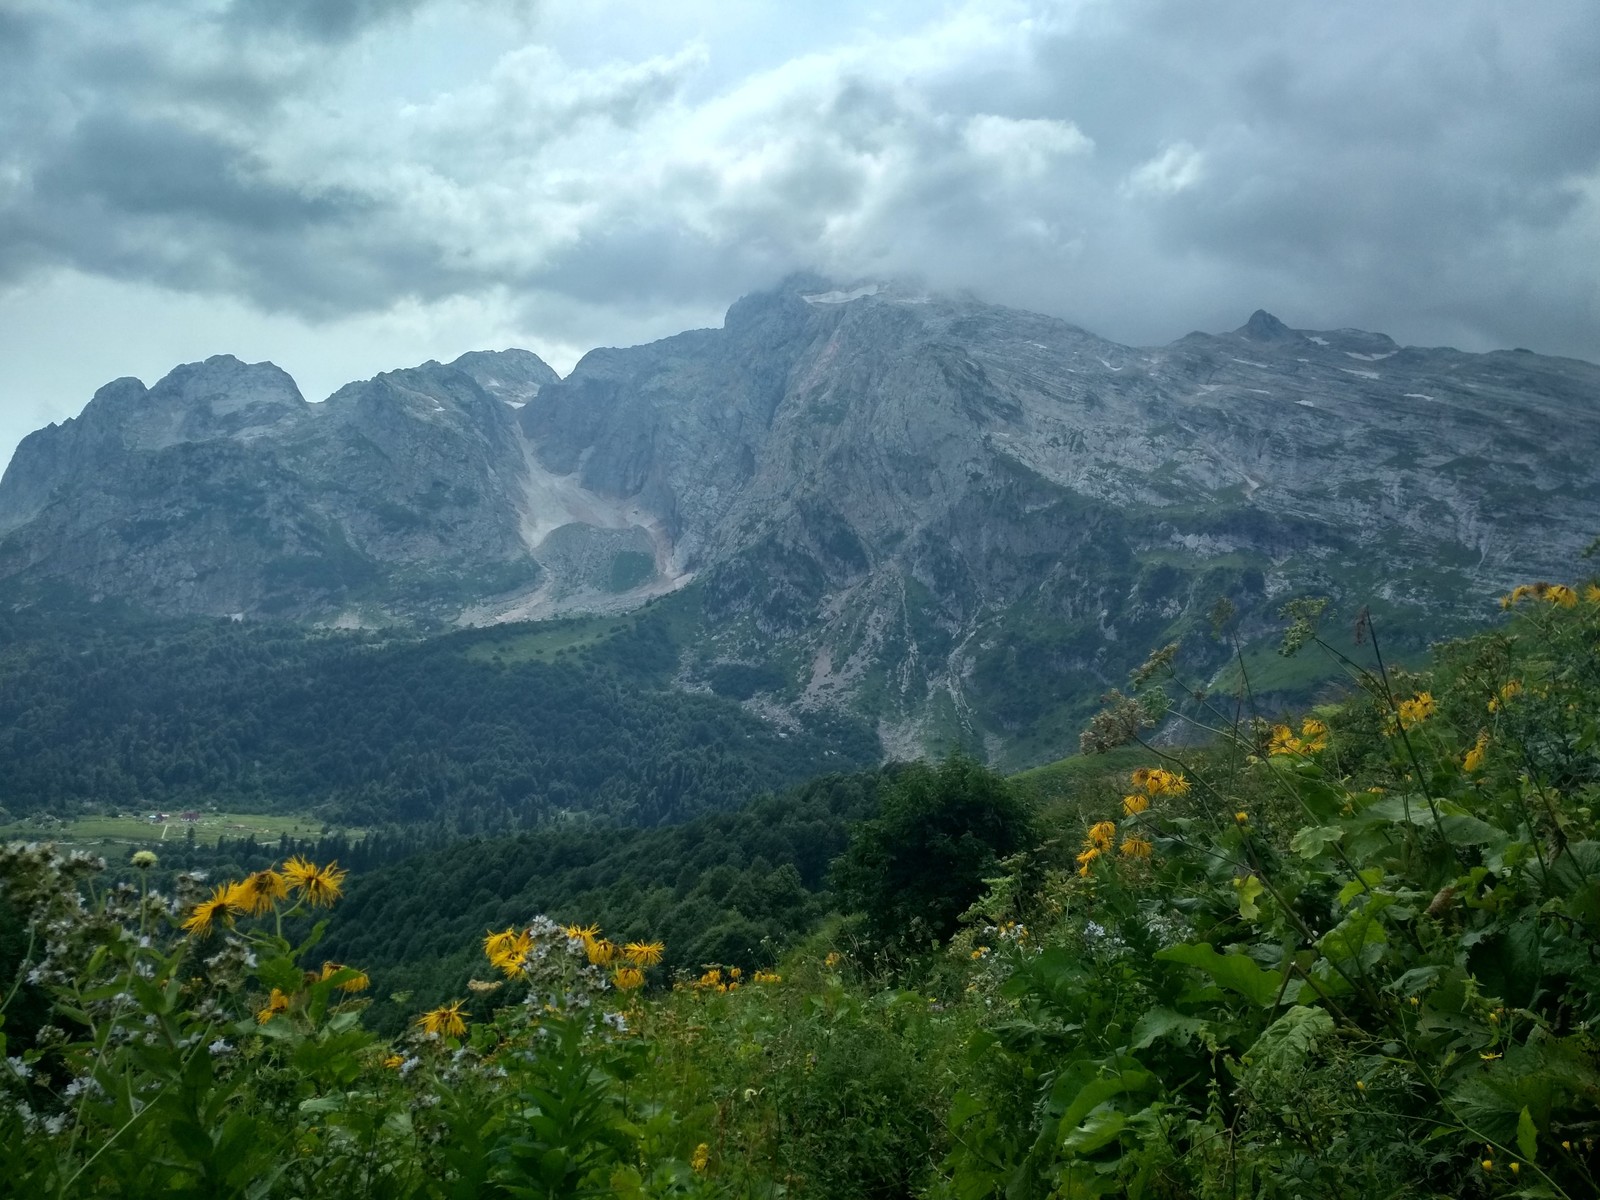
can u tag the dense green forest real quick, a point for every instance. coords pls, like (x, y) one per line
(477, 731)
(735, 887)
(1351, 954)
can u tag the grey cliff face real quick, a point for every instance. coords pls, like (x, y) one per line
(964, 519)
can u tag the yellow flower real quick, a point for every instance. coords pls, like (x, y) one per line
(1515, 1167)
(1488, 1164)
(1561, 594)
(1283, 741)
(1241, 816)
(277, 1003)
(586, 933)
(768, 977)
(1087, 857)
(1416, 710)
(259, 892)
(318, 886)
(600, 951)
(208, 911)
(496, 945)
(833, 960)
(644, 954)
(1512, 687)
(1141, 777)
(359, 983)
(445, 1021)
(1360, 1086)
(700, 1158)
(1135, 804)
(1163, 783)
(1101, 835)
(627, 979)
(1135, 847)
(1473, 762)
(508, 950)
(1591, 594)
(979, 951)
(393, 1061)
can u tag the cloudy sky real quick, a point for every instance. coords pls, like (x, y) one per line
(344, 186)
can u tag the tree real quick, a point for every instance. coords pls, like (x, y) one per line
(915, 869)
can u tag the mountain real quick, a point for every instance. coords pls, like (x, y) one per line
(963, 520)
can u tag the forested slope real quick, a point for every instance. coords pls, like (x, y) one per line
(483, 730)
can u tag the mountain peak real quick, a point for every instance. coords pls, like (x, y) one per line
(1264, 327)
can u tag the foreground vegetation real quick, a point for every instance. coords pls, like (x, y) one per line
(1355, 954)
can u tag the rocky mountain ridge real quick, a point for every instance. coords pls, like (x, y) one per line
(963, 519)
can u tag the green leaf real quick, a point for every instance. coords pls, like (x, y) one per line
(1232, 971)
(1283, 1046)
(1311, 841)
(1102, 1127)
(1164, 1023)
(1249, 888)
(280, 973)
(1527, 1136)
(1364, 881)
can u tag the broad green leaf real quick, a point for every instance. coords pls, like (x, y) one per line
(1282, 1048)
(1365, 881)
(1232, 971)
(1527, 1136)
(1311, 841)
(1099, 1129)
(1164, 1023)
(1249, 889)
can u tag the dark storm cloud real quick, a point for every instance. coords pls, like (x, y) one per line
(120, 165)
(323, 20)
(1143, 167)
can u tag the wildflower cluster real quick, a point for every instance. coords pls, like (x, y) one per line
(1550, 593)
(1415, 711)
(1149, 784)
(717, 980)
(1313, 739)
(262, 891)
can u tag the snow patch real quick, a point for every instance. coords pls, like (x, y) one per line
(1371, 357)
(1321, 341)
(837, 297)
(1248, 363)
(1305, 404)
(1363, 374)
(1418, 396)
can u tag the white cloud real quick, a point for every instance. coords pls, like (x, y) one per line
(1176, 169)
(1025, 147)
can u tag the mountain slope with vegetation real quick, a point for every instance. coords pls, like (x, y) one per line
(956, 520)
(478, 731)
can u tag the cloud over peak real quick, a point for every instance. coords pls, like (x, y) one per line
(1141, 167)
